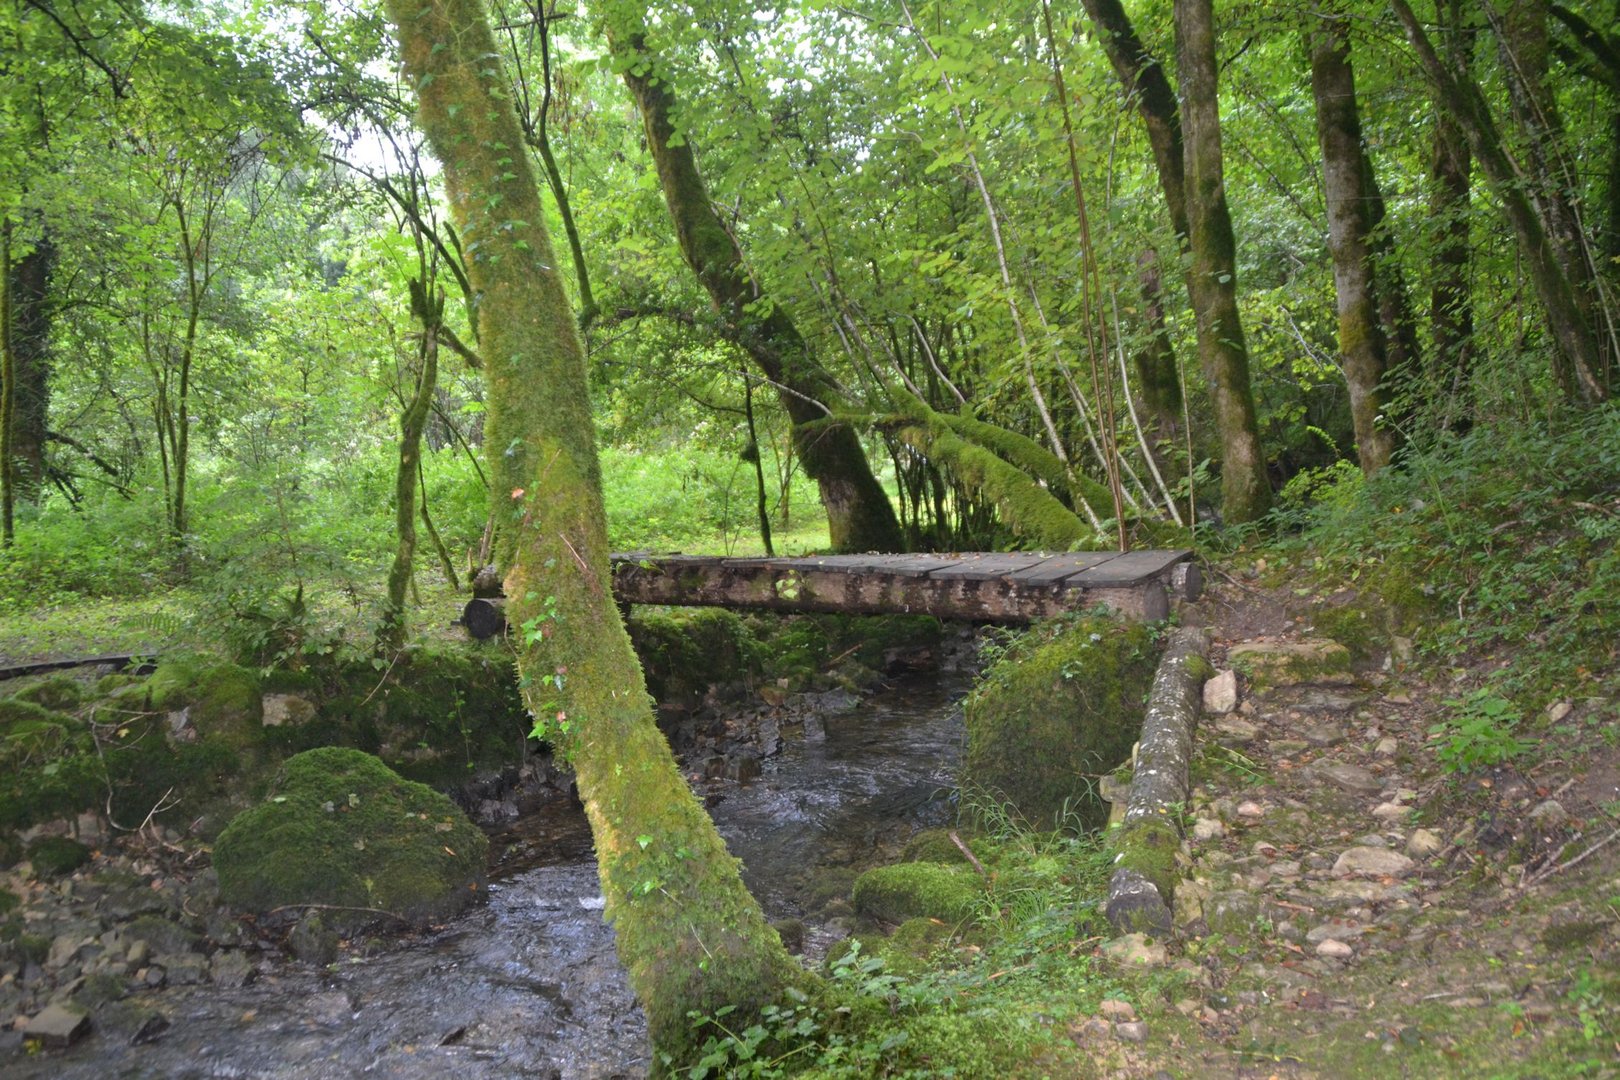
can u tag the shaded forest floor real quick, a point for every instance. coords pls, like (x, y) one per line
(1355, 910)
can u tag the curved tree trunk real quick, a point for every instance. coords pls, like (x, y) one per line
(1362, 347)
(859, 514)
(1212, 280)
(690, 935)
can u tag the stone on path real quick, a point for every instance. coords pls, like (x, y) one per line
(1115, 1009)
(1351, 778)
(1373, 862)
(1281, 663)
(1205, 829)
(1134, 1032)
(1424, 843)
(1334, 950)
(1135, 950)
(1221, 693)
(62, 1024)
(1236, 731)
(1550, 814)
(1386, 746)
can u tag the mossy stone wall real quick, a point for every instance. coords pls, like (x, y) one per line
(1060, 706)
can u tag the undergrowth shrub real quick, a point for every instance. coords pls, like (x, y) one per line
(1503, 537)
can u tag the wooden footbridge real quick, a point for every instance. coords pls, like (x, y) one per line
(975, 587)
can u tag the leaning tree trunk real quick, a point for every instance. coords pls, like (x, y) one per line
(859, 515)
(1362, 347)
(1577, 355)
(1212, 279)
(690, 935)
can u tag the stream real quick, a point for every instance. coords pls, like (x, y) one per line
(529, 985)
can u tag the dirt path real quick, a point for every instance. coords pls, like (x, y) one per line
(1356, 911)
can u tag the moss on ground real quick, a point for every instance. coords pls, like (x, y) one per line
(1060, 706)
(894, 894)
(343, 829)
(60, 692)
(54, 856)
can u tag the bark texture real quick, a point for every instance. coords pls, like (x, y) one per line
(1143, 885)
(859, 515)
(29, 288)
(1451, 309)
(688, 932)
(1363, 348)
(1212, 280)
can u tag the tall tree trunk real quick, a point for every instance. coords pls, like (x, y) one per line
(859, 515)
(1451, 306)
(195, 287)
(29, 284)
(1155, 361)
(8, 389)
(1186, 147)
(427, 305)
(1212, 279)
(1362, 348)
(1577, 355)
(690, 935)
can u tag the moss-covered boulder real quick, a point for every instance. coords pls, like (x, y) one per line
(1059, 707)
(344, 830)
(893, 894)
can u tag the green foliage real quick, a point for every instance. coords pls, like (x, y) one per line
(1501, 538)
(1477, 732)
(343, 829)
(1058, 706)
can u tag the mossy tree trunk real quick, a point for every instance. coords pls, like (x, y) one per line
(1212, 280)
(1186, 143)
(859, 515)
(1363, 348)
(690, 935)
(8, 388)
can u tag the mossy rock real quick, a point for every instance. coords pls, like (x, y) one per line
(893, 894)
(1286, 663)
(684, 652)
(342, 829)
(1061, 705)
(224, 699)
(62, 693)
(936, 846)
(49, 767)
(56, 856)
(444, 713)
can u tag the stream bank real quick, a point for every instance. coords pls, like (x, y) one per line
(808, 786)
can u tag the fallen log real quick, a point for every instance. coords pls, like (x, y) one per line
(1142, 888)
(117, 662)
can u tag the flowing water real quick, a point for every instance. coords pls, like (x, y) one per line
(529, 985)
